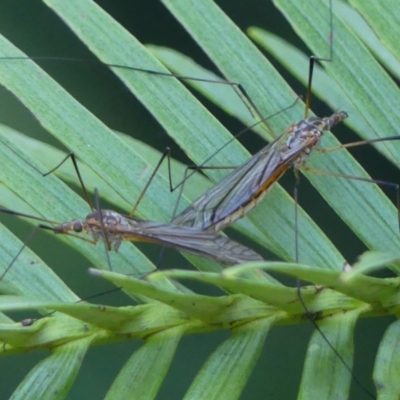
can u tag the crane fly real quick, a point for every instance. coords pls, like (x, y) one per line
(118, 228)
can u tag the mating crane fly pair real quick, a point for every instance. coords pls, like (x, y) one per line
(221, 205)
(194, 229)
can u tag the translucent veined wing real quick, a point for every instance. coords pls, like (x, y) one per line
(241, 190)
(193, 240)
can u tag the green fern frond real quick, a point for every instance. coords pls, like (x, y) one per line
(120, 166)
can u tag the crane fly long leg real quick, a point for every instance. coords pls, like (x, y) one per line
(70, 155)
(312, 61)
(359, 143)
(27, 240)
(378, 182)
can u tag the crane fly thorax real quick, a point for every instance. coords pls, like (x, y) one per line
(95, 219)
(109, 223)
(306, 135)
(109, 220)
(303, 138)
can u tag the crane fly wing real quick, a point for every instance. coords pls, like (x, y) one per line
(191, 240)
(242, 189)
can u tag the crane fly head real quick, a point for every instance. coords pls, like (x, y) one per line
(75, 225)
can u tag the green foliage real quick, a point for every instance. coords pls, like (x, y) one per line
(354, 81)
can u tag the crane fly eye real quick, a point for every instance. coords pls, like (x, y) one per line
(77, 227)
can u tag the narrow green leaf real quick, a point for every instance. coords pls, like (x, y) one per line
(387, 366)
(163, 97)
(368, 35)
(384, 20)
(193, 304)
(226, 372)
(17, 335)
(324, 375)
(371, 261)
(364, 288)
(53, 377)
(297, 63)
(138, 321)
(39, 280)
(47, 332)
(219, 94)
(237, 58)
(143, 374)
(5, 320)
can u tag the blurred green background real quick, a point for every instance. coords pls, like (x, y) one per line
(38, 32)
